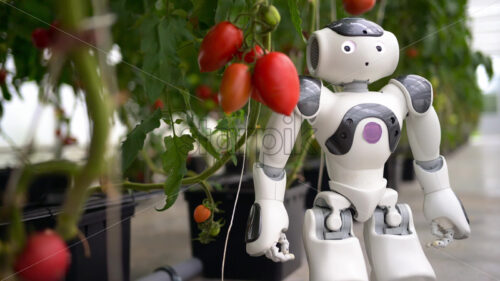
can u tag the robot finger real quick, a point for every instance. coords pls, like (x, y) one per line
(446, 240)
(275, 255)
(285, 245)
(436, 229)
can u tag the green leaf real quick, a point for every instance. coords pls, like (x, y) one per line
(174, 163)
(205, 11)
(295, 15)
(223, 10)
(135, 139)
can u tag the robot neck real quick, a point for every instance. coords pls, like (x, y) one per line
(356, 86)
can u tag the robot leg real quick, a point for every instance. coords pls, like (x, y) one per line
(395, 252)
(333, 253)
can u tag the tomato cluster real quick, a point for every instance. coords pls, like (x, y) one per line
(45, 257)
(273, 81)
(204, 216)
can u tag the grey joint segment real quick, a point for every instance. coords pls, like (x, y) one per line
(431, 166)
(356, 27)
(272, 172)
(420, 90)
(381, 227)
(321, 213)
(254, 224)
(356, 87)
(341, 141)
(310, 91)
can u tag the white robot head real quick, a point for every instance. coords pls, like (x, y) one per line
(352, 49)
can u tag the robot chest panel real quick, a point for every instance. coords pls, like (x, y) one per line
(374, 120)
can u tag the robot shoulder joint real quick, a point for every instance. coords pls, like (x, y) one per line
(418, 92)
(310, 91)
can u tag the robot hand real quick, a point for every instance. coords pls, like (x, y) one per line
(267, 223)
(447, 216)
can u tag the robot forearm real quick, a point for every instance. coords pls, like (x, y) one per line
(268, 217)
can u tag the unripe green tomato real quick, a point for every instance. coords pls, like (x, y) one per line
(215, 230)
(270, 15)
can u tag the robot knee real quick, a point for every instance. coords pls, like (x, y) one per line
(323, 232)
(382, 227)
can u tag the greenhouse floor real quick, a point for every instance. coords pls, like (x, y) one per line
(163, 238)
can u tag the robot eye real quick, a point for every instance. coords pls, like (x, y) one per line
(348, 47)
(380, 47)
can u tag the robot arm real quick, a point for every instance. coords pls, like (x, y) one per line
(441, 206)
(268, 218)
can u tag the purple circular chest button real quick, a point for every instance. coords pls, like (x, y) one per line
(372, 132)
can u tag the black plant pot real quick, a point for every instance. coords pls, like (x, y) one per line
(92, 224)
(239, 265)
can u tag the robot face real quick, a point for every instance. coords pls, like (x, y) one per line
(352, 49)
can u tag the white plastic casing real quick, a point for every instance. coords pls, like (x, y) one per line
(332, 259)
(338, 67)
(269, 194)
(396, 257)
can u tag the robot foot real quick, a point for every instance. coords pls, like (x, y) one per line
(395, 252)
(332, 255)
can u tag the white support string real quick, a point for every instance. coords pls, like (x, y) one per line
(237, 194)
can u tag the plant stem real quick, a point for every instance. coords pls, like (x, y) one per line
(96, 99)
(254, 116)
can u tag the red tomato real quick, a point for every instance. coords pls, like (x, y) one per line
(219, 45)
(3, 74)
(158, 104)
(44, 258)
(235, 87)
(40, 38)
(277, 82)
(256, 95)
(252, 55)
(69, 140)
(204, 92)
(412, 52)
(356, 7)
(201, 214)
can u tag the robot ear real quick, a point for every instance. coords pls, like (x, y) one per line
(312, 56)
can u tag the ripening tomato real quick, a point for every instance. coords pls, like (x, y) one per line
(277, 82)
(3, 75)
(235, 87)
(204, 92)
(252, 55)
(219, 45)
(412, 52)
(40, 38)
(356, 7)
(44, 258)
(201, 214)
(158, 104)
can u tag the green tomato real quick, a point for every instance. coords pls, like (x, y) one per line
(270, 15)
(215, 230)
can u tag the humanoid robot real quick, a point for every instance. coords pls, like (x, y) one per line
(357, 129)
